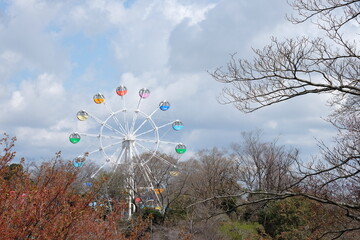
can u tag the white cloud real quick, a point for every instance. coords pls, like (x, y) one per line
(17, 101)
(272, 124)
(25, 42)
(229, 27)
(165, 46)
(9, 60)
(10, 57)
(142, 44)
(40, 137)
(177, 12)
(35, 102)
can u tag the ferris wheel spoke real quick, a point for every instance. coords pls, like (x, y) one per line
(139, 103)
(164, 160)
(143, 133)
(146, 120)
(143, 147)
(166, 142)
(156, 141)
(97, 150)
(114, 153)
(89, 135)
(106, 125)
(147, 171)
(111, 137)
(108, 108)
(154, 154)
(95, 118)
(134, 120)
(142, 124)
(94, 174)
(119, 124)
(121, 91)
(125, 115)
(135, 115)
(113, 129)
(98, 136)
(137, 155)
(115, 118)
(147, 140)
(166, 124)
(107, 146)
(110, 145)
(117, 162)
(154, 129)
(123, 101)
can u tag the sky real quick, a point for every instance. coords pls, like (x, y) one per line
(55, 55)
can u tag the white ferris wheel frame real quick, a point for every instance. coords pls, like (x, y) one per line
(127, 142)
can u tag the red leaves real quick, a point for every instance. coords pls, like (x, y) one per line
(45, 205)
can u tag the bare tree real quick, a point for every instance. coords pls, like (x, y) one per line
(211, 173)
(293, 67)
(168, 179)
(263, 165)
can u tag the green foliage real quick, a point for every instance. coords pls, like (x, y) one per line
(287, 219)
(228, 205)
(175, 215)
(177, 210)
(243, 231)
(154, 215)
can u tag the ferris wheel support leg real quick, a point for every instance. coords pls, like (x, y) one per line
(127, 145)
(148, 173)
(131, 197)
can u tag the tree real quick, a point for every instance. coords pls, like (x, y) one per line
(263, 166)
(211, 173)
(294, 67)
(45, 204)
(298, 218)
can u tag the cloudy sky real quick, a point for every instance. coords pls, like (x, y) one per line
(55, 55)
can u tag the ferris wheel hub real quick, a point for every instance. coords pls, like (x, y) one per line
(129, 137)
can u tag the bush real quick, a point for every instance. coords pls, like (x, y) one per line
(243, 231)
(287, 219)
(46, 206)
(154, 215)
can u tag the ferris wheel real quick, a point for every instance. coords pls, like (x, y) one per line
(130, 137)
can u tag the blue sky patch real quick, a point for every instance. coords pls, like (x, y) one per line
(3, 4)
(92, 54)
(129, 3)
